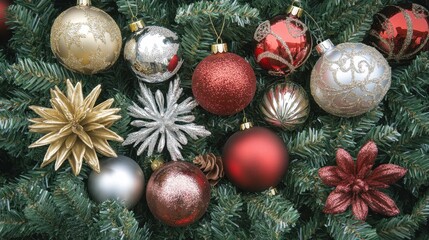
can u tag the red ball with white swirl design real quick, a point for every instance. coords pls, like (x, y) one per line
(400, 32)
(283, 43)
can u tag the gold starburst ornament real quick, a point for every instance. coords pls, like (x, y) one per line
(75, 128)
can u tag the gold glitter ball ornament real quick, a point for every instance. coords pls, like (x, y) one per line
(85, 39)
(75, 128)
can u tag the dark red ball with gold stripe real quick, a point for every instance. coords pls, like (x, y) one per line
(400, 32)
(283, 43)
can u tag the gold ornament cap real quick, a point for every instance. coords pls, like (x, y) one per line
(84, 2)
(246, 125)
(219, 48)
(272, 191)
(137, 25)
(156, 164)
(295, 11)
(324, 47)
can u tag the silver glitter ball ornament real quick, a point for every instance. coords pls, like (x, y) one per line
(349, 79)
(285, 105)
(120, 179)
(152, 52)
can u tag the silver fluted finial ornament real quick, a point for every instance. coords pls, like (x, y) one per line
(285, 105)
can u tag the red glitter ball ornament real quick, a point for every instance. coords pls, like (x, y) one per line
(400, 32)
(223, 83)
(178, 193)
(283, 43)
(255, 159)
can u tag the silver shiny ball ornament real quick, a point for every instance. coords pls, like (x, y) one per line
(120, 179)
(349, 79)
(285, 105)
(152, 52)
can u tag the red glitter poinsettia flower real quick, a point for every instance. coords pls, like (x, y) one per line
(357, 184)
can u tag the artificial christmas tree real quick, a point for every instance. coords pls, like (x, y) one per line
(41, 203)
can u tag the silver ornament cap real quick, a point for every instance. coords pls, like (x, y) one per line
(152, 52)
(349, 79)
(324, 46)
(120, 179)
(285, 105)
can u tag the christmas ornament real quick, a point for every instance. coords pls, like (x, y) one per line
(75, 128)
(4, 31)
(85, 39)
(255, 159)
(178, 194)
(223, 83)
(283, 43)
(163, 121)
(120, 179)
(400, 32)
(285, 105)
(349, 79)
(357, 184)
(156, 164)
(152, 52)
(212, 166)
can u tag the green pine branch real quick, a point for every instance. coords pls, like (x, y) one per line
(415, 161)
(345, 227)
(13, 225)
(152, 12)
(232, 11)
(405, 226)
(413, 79)
(271, 217)
(410, 113)
(116, 222)
(225, 213)
(310, 146)
(71, 199)
(31, 23)
(36, 75)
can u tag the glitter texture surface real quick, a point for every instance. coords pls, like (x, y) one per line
(350, 79)
(85, 39)
(356, 184)
(178, 194)
(400, 32)
(224, 83)
(283, 44)
(163, 121)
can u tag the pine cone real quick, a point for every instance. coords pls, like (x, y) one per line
(212, 166)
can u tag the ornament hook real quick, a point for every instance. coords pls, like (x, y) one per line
(133, 16)
(218, 36)
(246, 124)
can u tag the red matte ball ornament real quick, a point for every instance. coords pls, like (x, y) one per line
(283, 43)
(255, 158)
(400, 32)
(223, 83)
(178, 193)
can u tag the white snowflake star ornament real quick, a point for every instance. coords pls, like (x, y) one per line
(165, 122)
